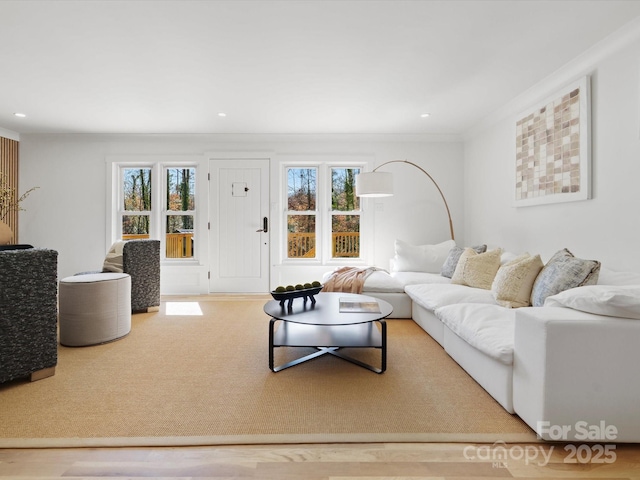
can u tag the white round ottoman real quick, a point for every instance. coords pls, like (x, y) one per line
(94, 308)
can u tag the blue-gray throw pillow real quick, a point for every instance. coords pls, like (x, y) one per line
(562, 272)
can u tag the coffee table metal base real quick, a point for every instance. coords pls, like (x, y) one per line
(328, 339)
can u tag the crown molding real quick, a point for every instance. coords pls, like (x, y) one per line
(9, 134)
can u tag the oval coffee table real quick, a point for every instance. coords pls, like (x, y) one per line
(335, 321)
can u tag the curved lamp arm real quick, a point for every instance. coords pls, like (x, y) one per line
(446, 206)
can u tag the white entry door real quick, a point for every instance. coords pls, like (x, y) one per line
(239, 230)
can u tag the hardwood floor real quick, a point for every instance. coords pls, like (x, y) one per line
(328, 462)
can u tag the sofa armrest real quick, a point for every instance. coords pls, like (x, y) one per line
(575, 375)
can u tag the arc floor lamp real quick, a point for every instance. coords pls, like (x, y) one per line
(380, 184)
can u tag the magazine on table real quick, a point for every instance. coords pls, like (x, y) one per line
(349, 305)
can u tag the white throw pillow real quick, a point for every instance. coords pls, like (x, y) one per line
(610, 300)
(421, 258)
(114, 258)
(514, 281)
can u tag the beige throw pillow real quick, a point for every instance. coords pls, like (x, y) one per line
(477, 269)
(513, 283)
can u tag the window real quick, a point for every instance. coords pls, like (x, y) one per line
(345, 214)
(323, 213)
(301, 212)
(180, 211)
(136, 207)
(159, 201)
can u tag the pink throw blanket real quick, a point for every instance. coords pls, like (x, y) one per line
(348, 279)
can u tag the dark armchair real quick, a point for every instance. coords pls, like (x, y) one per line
(141, 260)
(28, 313)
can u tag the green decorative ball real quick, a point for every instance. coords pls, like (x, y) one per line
(290, 288)
(316, 283)
(299, 286)
(281, 289)
(307, 285)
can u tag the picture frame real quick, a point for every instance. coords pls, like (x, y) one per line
(553, 148)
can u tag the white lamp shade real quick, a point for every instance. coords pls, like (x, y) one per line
(374, 184)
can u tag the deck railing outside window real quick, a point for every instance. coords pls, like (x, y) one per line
(303, 245)
(300, 245)
(179, 245)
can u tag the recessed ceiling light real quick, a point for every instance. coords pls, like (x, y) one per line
(222, 114)
(18, 114)
(425, 115)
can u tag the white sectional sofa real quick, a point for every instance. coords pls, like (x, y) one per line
(566, 367)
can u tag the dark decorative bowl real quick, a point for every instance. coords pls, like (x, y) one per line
(307, 293)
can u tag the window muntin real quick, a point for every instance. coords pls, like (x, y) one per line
(302, 200)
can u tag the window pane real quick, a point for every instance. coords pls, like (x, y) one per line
(135, 226)
(181, 189)
(343, 194)
(179, 236)
(301, 236)
(345, 236)
(301, 189)
(137, 189)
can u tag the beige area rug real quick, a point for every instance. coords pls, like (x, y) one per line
(184, 378)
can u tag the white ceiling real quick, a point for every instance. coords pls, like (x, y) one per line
(283, 66)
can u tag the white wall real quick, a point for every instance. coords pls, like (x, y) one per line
(607, 227)
(68, 211)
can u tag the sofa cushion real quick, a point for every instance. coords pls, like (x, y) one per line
(432, 296)
(613, 301)
(421, 258)
(454, 256)
(489, 328)
(514, 281)
(562, 272)
(380, 281)
(416, 278)
(477, 269)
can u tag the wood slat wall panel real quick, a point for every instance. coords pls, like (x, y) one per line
(9, 166)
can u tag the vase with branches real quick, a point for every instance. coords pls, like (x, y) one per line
(9, 200)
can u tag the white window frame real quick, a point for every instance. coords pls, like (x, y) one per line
(324, 213)
(165, 213)
(333, 213)
(315, 212)
(158, 215)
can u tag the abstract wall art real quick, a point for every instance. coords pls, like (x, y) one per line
(553, 148)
